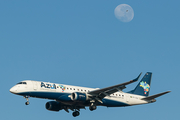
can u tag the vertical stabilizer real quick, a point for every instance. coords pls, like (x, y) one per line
(143, 88)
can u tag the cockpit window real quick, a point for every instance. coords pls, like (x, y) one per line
(22, 83)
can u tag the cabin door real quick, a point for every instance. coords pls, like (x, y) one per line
(127, 98)
(35, 85)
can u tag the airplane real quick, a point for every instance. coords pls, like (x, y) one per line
(68, 97)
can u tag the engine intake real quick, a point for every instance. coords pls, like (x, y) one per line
(77, 96)
(53, 106)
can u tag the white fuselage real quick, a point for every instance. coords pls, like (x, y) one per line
(57, 91)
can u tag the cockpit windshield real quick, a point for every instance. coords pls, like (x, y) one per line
(22, 83)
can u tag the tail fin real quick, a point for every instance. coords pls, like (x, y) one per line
(143, 87)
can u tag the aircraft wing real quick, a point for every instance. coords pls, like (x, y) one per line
(101, 93)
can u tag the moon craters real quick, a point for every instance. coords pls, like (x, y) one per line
(124, 12)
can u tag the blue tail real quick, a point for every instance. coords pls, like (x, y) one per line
(143, 88)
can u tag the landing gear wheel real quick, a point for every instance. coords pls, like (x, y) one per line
(27, 103)
(27, 99)
(76, 113)
(91, 108)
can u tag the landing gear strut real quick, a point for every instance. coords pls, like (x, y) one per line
(75, 113)
(27, 98)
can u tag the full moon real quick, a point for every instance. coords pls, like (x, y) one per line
(124, 12)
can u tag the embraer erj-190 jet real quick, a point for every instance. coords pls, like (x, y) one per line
(75, 98)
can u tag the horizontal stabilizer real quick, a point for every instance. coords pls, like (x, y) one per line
(155, 96)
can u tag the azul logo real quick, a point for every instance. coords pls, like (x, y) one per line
(62, 87)
(47, 85)
(145, 86)
(53, 86)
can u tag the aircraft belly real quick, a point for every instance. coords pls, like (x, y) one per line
(74, 103)
(113, 103)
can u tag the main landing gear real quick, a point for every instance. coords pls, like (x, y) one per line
(92, 107)
(27, 98)
(75, 113)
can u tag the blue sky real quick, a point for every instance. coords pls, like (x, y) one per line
(83, 43)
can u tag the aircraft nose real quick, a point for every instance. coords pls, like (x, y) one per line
(13, 89)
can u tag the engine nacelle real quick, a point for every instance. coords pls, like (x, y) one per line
(77, 96)
(53, 106)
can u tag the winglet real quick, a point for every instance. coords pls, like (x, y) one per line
(136, 79)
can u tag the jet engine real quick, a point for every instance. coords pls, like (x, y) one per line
(77, 96)
(53, 106)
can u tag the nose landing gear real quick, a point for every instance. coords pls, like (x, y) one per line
(27, 103)
(27, 98)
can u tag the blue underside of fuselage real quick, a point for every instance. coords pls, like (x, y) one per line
(63, 97)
